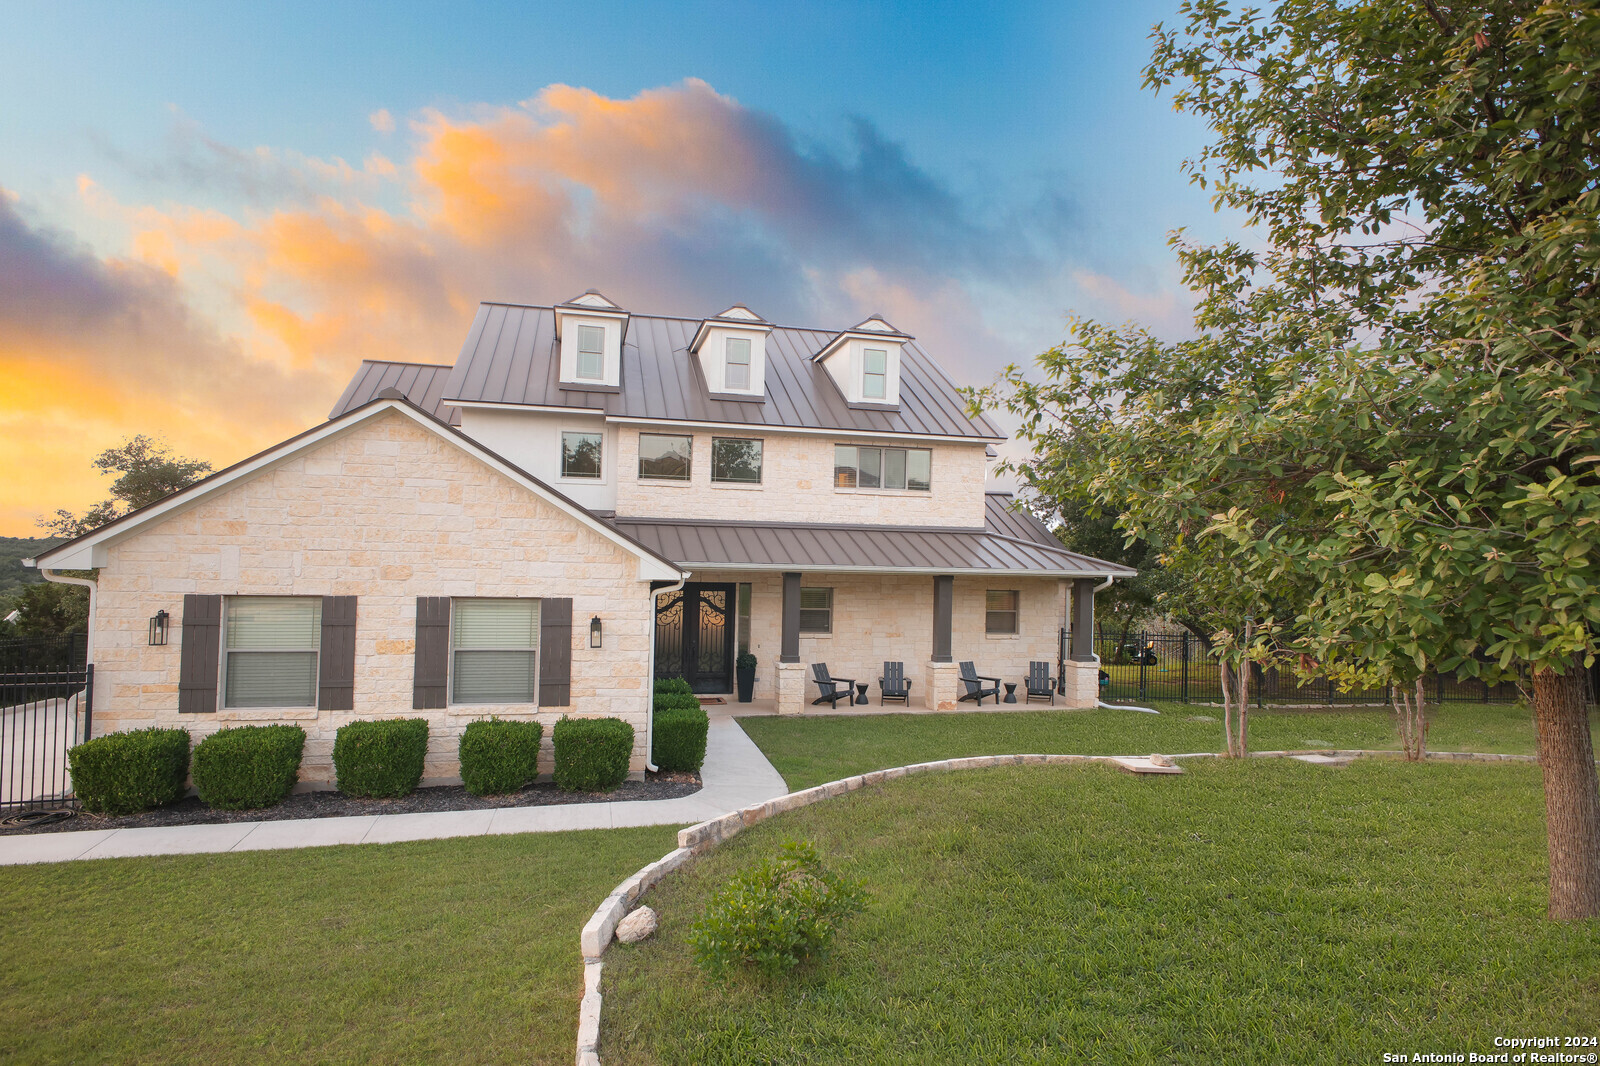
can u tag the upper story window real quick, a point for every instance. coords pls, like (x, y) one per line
(495, 648)
(905, 469)
(270, 652)
(736, 460)
(736, 374)
(580, 455)
(591, 352)
(875, 373)
(665, 456)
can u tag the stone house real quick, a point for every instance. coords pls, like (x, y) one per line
(588, 498)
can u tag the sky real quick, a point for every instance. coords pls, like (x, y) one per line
(210, 213)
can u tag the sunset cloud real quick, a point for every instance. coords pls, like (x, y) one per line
(235, 318)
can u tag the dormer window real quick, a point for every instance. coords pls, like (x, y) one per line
(875, 373)
(591, 352)
(737, 375)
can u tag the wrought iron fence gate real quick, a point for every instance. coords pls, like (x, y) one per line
(46, 706)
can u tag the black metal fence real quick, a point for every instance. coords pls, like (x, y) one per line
(1175, 666)
(46, 703)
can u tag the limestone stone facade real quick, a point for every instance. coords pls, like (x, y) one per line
(386, 512)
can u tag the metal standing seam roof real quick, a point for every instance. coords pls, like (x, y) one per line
(421, 383)
(510, 357)
(776, 545)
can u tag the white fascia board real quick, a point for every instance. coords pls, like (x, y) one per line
(898, 569)
(542, 408)
(748, 428)
(710, 324)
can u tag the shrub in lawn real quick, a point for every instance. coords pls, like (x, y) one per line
(382, 758)
(774, 916)
(591, 753)
(124, 773)
(251, 766)
(673, 684)
(679, 740)
(499, 756)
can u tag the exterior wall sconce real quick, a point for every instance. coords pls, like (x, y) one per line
(594, 632)
(158, 629)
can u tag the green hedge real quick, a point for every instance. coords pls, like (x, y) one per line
(251, 766)
(499, 756)
(124, 773)
(679, 738)
(675, 701)
(381, 758)
(592, 753)
(673, 684)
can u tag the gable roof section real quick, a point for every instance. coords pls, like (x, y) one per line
(510, 357)
(422, 384)
(89, 550)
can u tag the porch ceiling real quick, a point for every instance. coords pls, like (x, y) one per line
(880, 549)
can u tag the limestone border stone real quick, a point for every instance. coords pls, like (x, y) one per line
(696, 839)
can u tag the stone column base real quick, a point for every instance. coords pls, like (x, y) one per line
(1082, 684)
(941, 686)
(791, 688)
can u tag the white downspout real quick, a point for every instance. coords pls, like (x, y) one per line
(1102, 703)
(650, 677)
(62, 579)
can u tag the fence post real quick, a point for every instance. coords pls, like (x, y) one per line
(88, 700)
(1141, 665)
(1186, 666)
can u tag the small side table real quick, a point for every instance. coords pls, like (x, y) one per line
(861, 694)
(1011, 692)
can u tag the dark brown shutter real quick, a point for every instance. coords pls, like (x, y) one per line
(197, 670)
(555, 653)
(431, 667)
(336, 666)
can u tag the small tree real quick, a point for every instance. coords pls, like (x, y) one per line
(149, 472)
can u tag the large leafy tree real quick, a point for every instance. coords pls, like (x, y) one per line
(1391, 403)
(147, 472)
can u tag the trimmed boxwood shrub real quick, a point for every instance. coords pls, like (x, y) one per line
(679, 738)
(592, 753)
(673, 684)
(250, 766)
(124, 773)
(675, 701)
(381, 758)
(499, 756)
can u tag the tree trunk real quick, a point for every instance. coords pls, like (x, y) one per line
(1412, 713)
(1571, 792)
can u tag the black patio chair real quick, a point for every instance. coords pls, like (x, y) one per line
(833, 688)
(1040, 684)
(893, 684)
(976, 689)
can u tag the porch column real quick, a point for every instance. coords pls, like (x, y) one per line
(790, 680)
(1080, 680)
(939, 679)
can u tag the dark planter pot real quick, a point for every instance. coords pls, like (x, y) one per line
(747, 684)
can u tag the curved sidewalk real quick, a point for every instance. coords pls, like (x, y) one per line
(735, 775)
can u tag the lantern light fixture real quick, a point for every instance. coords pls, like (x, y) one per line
(158, 629)
(594, 632)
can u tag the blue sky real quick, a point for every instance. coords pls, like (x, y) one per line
(261, 195)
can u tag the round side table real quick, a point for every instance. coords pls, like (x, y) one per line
(861, 694)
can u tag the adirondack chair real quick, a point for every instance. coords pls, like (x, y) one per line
(1040, 684)
(833, 688)
(893, 684)
(974, 683)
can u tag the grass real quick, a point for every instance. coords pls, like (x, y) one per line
(459, 951)
(813, 749)
(1266, 911)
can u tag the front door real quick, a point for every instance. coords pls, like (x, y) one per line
(694, 636)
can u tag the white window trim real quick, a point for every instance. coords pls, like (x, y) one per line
(578, 352)
(561, 455)
(867, 397)
(222, 664)
(475, 707)
(638, 459)
(711, 466)
(749, 365)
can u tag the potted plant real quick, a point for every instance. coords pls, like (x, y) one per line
(745, 666)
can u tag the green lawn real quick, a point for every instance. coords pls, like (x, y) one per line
(810, 750)
(1265, 911)
(448, 951)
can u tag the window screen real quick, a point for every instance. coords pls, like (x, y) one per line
(1000, 614)
(737, 375)
(495, 645)
(591, 352)
(665, 456)
(816, 610)
(580, 455)
(271, 651)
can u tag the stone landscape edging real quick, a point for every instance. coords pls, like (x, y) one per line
(697, 839)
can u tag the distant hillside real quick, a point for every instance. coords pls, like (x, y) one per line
(13, 575)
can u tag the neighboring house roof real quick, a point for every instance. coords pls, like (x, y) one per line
(510, 357)
(893, 549)
(89, 550)
(422, 384)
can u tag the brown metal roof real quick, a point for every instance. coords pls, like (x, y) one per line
(422, 384)
(906, 549)
(510, 357)
(1001, 516)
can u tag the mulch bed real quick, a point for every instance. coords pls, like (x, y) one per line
(330, 804)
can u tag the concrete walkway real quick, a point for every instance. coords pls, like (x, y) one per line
(735, 775)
